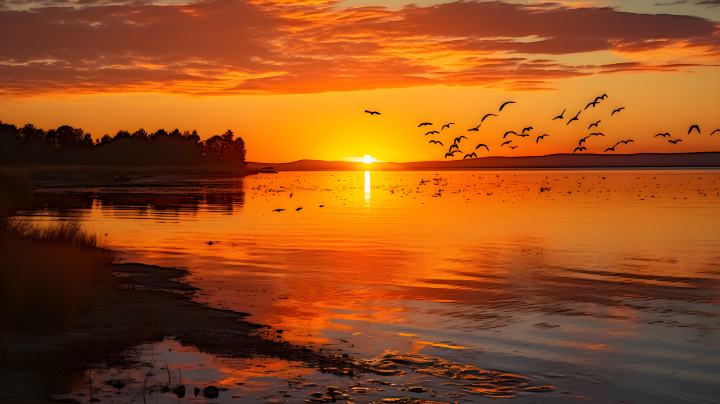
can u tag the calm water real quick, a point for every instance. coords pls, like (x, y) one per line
(603, 284)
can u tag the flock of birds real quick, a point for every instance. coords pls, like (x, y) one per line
(455, 146)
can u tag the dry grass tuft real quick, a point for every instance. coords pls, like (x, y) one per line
(46, 273)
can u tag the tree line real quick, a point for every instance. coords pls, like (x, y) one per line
(33, 145)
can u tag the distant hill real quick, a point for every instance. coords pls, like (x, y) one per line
(640, 160)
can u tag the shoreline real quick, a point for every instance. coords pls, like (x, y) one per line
(152, 303)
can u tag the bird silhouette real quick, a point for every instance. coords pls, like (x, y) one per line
(322, 206)
(560, 116)
(617, 110)
(592, 103)
(602, 97)
(509, 132)
(470, 155)
(453, 145)
(674, 141)
(529, 128)
(431, 132)
(582, 140)
(483, 119)
(593, 124)
(482, 145)
(475, 129)
(504, 143)
(278, 210)
(503, 106)
(610, 148)
(447, 125)
(436, 142)
(596, 134)
(626, 141)
(513, 147)
(457, 139)
(713, 132)
(452, 154)
(540, 137)
(662, 134)
(422, 124)
(579, 148)
(298, 209)
(573, 119)
(694, 127)
(372, 112)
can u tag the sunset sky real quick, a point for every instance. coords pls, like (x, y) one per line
(294, 77)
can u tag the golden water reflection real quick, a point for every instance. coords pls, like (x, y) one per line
(608, 269)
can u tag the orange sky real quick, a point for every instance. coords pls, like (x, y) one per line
(294, 77)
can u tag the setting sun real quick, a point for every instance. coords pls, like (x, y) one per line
(367, 159)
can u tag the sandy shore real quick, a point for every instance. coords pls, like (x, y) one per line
(149, 304)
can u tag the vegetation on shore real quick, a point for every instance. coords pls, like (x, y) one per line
(47, 272)
(67, 145)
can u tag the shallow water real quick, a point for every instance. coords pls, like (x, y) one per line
(603, 284)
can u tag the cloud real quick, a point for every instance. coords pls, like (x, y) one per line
(217, 47)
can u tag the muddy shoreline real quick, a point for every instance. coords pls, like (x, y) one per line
(152, 303)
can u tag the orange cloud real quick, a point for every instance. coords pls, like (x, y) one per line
(220, 47)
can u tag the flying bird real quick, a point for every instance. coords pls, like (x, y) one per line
(713, 132)
(695, 127)
(436, 142)
(453, 145)
(470, 155)
(475, 129)
(513, 147)
(422, 124)
(579, 148)
(582, 140)
(372, 112)
(504, 143)
(509, 132)
(452, 154)
(596, 134)
(593, 124)
(674, 141)
(540, 137)
(457, 139)
(431, 132)
(298, 209)
(625, 141)
(482, 120)
(602, 97)
(573, 119)
(592, 103)
(529, 128)
(278, 210)
(617, 110)
(610, 148)
(560, 116)
(482, 145)
(503, 106)
(662, 134)
(447, 125)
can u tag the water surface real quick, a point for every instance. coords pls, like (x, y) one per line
(603, 284)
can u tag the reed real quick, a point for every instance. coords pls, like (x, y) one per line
(46, 273)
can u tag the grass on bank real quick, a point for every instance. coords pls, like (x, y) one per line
(46, 272)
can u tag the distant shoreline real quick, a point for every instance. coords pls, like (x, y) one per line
(651, 161)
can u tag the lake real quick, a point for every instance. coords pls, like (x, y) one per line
(604, 285)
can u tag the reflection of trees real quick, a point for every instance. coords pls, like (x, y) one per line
(31, 145)
(143, 203)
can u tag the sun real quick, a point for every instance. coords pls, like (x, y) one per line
(367, 159)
